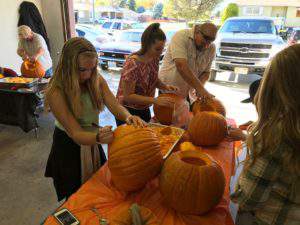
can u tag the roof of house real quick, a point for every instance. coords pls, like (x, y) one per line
(251, 18)
(114, 9)
(295, 3)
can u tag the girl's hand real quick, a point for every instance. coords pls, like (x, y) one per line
(135, 121)
(164, 101)
(105, 135)
(245, 126)
(171, 88)
(235, 134)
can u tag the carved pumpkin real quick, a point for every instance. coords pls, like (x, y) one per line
(199, 106)
(134, 157)
(135, 215)
(191, 182)
(32, 69)
(165, 114)
(211, 105)
(188, 146)
(207, 128)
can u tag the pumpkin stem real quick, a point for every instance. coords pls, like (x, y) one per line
(136, 215)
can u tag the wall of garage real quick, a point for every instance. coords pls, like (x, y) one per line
(9, 34)
(53, 20)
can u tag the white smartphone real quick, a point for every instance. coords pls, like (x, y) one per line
(64, 217)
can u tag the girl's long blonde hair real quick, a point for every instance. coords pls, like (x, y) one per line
(66, 76)
(278, 105)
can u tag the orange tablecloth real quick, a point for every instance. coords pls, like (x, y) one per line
(99, 193)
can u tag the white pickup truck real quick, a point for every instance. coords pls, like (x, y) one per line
(245, 45)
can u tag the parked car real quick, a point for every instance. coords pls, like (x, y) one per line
(113, 54)
(95, 36)
(295, 37)
(116, 25)
(99, 21)
(246, 45)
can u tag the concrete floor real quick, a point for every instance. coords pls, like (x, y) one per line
(27, 197)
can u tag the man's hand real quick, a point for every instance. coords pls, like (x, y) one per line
(33, 58)
(203, 94)
(25, 57)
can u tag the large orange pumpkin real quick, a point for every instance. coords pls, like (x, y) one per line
(210, 105)
(165, 114)
(134, 157)
(207, 128)
(135, 215)
(191, 182)
(32, 69)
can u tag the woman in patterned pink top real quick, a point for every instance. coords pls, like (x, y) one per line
(139, 77)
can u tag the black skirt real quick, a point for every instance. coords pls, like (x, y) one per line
(64, 164)
(144, 114)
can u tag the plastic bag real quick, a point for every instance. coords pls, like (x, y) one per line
(181, 115)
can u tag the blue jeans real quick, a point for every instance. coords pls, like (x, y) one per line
(49, 73)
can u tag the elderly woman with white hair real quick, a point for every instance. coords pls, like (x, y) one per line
(33, 47)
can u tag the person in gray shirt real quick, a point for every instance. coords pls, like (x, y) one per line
(32, 46)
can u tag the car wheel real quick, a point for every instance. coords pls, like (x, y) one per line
(212, 76)
(104, 67)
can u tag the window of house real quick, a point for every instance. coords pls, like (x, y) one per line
(106, 25)
(81, 14)
(104, 15)
(117, 26)
(127, 26)
(253, 10)
(112, 15)
(298, 12)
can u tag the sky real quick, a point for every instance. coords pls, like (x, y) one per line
(222, 5)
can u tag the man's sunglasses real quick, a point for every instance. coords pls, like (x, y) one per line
(206, 37)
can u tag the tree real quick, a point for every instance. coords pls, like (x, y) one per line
(190, 9)
(99, 3)
(122, 4)
(158, 11)
(131, 4)
(231, 10)
(148, 4)
(140, 9)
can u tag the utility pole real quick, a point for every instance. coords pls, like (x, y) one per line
(94, 12)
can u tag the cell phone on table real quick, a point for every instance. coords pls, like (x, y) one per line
(64, 217)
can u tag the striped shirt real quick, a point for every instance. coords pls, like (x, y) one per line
(143, 75)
